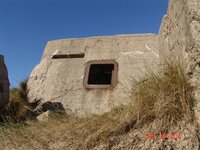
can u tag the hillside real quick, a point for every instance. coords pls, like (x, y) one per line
(160, 116)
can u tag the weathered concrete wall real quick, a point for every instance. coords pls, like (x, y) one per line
(61, 80)
(180, 37)
(4, 83)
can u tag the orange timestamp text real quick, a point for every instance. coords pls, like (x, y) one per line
(164, 136)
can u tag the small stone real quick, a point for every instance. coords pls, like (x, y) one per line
(44, 117)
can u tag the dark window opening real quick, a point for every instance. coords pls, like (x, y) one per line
(68, 56)
(100, 74)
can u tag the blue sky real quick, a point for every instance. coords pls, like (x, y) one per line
(27, 25)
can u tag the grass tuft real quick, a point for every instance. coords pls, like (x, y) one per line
(165, 96)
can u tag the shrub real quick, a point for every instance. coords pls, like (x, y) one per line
(18, 108)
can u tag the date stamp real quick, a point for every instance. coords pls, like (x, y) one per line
(163, 136)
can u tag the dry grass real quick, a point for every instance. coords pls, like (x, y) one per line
(161, 99)
(75, 133)
(18, 108)
(165, 97)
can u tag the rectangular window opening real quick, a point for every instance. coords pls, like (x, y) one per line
(101, 74)
(68, 56)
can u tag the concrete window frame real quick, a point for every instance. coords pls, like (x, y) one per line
(114, 79)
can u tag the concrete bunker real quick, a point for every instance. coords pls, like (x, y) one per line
(92, 75)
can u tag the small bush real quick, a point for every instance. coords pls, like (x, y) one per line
(18, 108)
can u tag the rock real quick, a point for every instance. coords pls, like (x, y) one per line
(4, 83)
(180, 37)
(44, 117)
